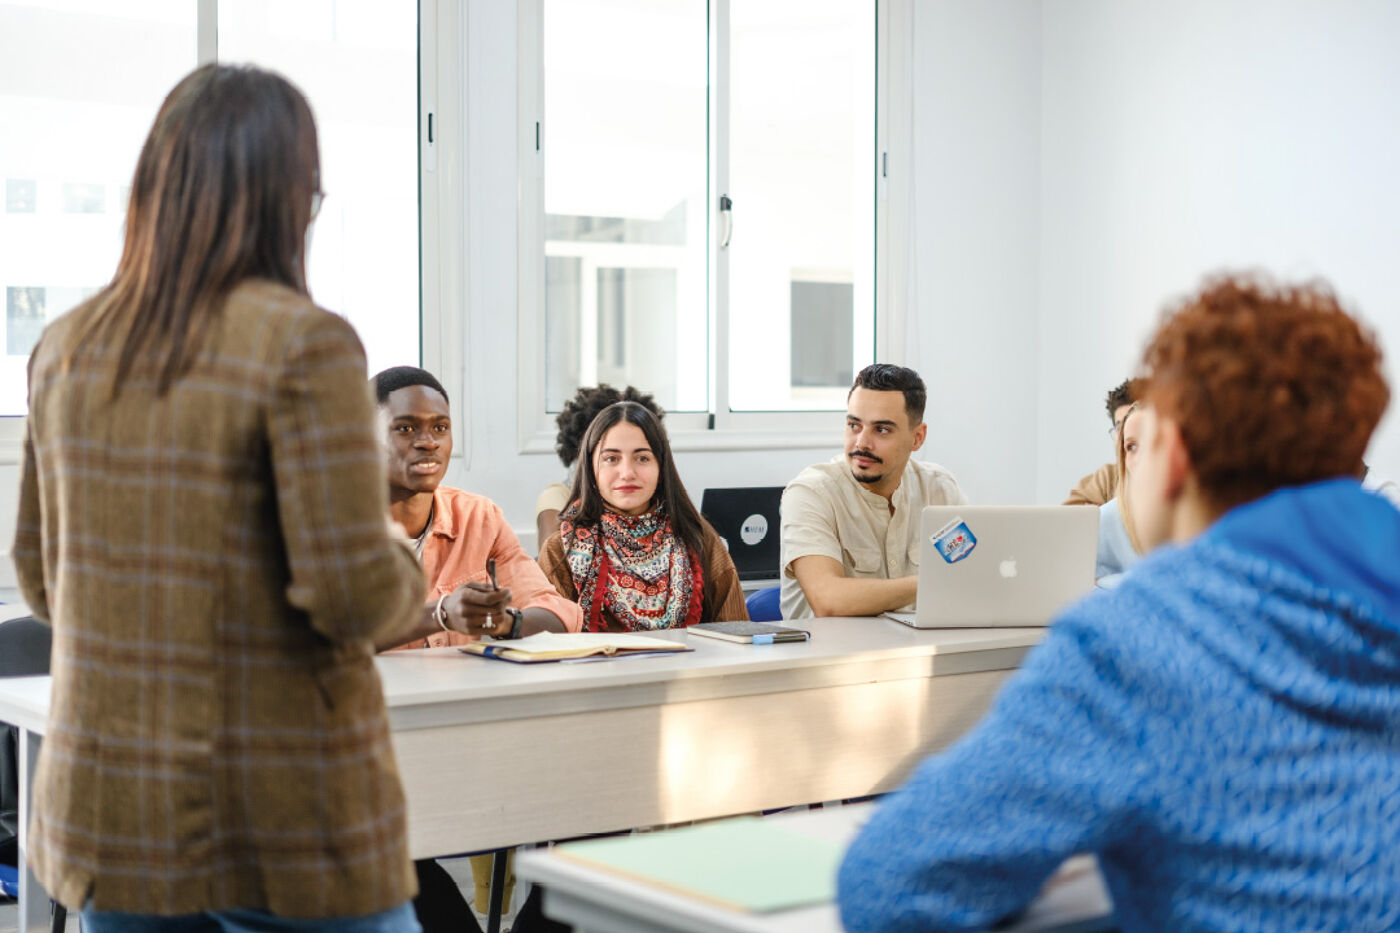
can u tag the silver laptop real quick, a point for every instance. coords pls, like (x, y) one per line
(988, 566)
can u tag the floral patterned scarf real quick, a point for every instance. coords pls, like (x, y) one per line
(635, 569)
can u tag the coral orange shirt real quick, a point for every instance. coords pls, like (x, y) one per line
(466, 530)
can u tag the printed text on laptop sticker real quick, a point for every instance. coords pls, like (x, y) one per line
(954, 541)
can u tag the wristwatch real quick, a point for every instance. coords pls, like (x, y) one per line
(516, 617)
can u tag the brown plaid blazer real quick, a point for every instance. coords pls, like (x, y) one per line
(216, 565)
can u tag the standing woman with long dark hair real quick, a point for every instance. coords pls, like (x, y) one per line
(632, 549)
(202, 519)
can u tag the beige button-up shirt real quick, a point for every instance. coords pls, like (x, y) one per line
(826, 512)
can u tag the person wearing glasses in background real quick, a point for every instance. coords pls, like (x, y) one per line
(1119, 546)
(1102, 485)
(201, 518)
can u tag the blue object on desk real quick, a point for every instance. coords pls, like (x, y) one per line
(9, 881)
(765, 605)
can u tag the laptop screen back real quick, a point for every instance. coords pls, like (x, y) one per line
(994, 565)
(747, 518)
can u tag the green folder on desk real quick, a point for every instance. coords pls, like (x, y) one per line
(743, 864)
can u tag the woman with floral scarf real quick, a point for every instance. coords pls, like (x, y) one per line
(632, 549)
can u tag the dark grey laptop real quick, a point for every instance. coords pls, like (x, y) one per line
(747, 519)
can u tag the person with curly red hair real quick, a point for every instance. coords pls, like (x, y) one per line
(1223, 729)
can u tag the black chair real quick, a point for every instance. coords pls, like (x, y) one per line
(25, 645)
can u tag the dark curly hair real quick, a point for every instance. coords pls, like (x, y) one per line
(1272, 385)
(578, 413)
(1125, 393)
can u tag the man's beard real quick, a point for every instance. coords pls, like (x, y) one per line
(866, 479)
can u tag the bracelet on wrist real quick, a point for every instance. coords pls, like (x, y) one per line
(440, 613)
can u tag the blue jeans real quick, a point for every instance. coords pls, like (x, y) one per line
(399, 919)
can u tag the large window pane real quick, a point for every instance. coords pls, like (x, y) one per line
(80, 83)
(625, 198)
(802, 149)
(357, 63)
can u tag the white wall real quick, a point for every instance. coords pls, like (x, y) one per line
(977, 239)
(1180, 138)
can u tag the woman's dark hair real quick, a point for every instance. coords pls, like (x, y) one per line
(587, 503)
(578, 413)
(222, 192)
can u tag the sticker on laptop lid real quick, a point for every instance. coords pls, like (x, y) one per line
(954, 541)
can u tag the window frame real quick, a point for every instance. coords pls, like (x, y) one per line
(442, 285)
(720, 428)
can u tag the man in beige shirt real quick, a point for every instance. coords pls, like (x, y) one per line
(850, 532)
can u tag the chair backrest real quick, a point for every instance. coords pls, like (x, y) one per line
(765, 605)
(24, 647)
(24, 652)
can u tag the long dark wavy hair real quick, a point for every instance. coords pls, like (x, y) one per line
(223, 192)
(587, 502)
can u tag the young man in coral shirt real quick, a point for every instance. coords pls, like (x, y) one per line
(455, 532)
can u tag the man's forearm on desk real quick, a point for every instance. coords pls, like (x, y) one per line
(858, 596)
(531, 622)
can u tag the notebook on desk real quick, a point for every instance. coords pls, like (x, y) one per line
(544, 647)
(745, 864)
(1001, 566)
(747, 519)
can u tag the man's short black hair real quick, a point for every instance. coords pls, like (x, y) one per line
(401, 377)
(887, 377)
(1122, 394)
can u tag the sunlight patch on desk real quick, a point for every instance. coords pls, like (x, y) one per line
(745, 754)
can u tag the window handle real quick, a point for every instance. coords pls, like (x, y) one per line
(726, 214)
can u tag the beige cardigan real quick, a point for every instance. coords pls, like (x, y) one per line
(1096, 488)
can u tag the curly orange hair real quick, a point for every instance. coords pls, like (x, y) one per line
(1273, 385)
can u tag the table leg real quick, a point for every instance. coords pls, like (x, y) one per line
(498, 890)
(33, 899)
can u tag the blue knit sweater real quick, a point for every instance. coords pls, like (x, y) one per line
(1223, 730)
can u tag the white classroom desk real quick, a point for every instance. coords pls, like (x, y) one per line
(495, 754)
(592, 900)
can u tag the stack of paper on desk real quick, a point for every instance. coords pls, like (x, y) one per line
(743, 864)
(560, 646)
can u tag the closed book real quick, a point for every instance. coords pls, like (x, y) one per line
(746, 864)
(758, 633)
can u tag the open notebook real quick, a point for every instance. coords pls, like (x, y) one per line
(563, 646)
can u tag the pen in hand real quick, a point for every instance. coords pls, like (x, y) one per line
(490, 623)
